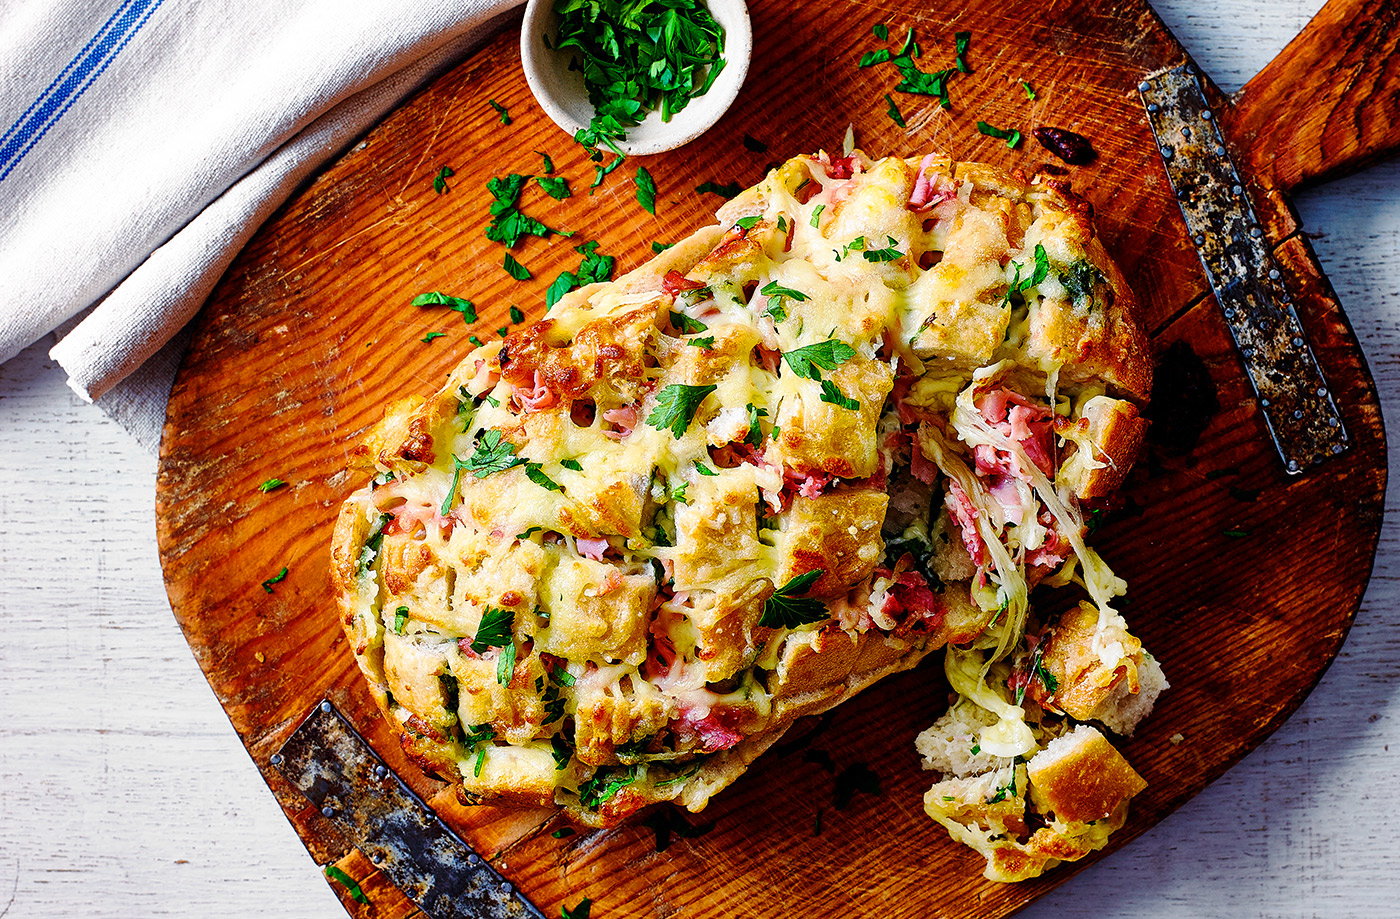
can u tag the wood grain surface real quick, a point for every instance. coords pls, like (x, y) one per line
(158, 816)
(311, 333)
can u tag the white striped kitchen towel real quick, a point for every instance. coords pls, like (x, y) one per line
(145, 140)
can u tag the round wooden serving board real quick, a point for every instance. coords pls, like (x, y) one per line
(311, 333)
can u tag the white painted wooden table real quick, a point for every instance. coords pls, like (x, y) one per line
(124, 791)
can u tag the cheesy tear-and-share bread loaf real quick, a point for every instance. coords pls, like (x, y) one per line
(619, 553)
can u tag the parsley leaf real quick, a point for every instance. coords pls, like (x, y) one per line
(915, 81)
(335, 873)
(871, 58)
(676, 407)
(834, 396)
(1030, 93)
(817, 215)
(1019, 284)
(960, 42)
(276, 578)
(494, 630)
(535, 473)
(604, 783)
(400, 619)
(659, 248)
(893, 111)
(557, 187)
(491, 455)
(578, 912)
(575, 465)
(517, 315)
(440, 180)
(1012, 138)
(431, 335)
(887, 254)
(548, 166)
(703, 469)
(828, 355)
(726, 191)
(593, 268)
(755, 435)
(271, 485)
(562, 753)
(456, 304)
(678, 493)
(784, 610)
(500, 110)
(881, 31)
(778, 296)
(508, 225)
(686, 325)
(371, 546)
(707, 343)
(646, 189)
(505, 664)
(747, 223)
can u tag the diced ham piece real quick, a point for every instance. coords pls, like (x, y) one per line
(1029, 424)
(769, 358)
(930, 190)
(536, 398)
(912, 604)
(964, 514)
(709, 725)
(921, 467)
(676, 283)
(625, 418)
(592, 548)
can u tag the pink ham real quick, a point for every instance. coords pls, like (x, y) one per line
(931, 190)
(624, 418)
(592, 548)
(535, 399)
(964, 514)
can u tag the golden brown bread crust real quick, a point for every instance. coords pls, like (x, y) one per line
(561, 594)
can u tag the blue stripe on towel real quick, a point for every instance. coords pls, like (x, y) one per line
(58, 97)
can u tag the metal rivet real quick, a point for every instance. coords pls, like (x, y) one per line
(1292, 465)
(326, 707)
(381, 771)
(1191, 69)
(1186, 132)
(1322, 390)
(1206, 116)
(1285, 296)
(1236, 190)
(1152, 107)
(327, 811)
(1200, 239)
(1334, 422)
(505, 887)
(1297, 342)
(376, 857)
(275, 759)
(1264, 403)
(1247, 352)
(1256, 232)
(1168, 153)
(1143, 86)
(1219, 150)
(1336, 448)
(472, 859)
(1298, 413)
(1273, 273)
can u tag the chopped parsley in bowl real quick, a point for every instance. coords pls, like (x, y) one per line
(635, 76)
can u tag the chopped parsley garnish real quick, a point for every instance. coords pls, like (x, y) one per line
(575, 465)
(676, 407)
(494, 630)
(491, 455)
(456, 304)
(500, 110)
(1037, 671)
(677, 779)
(915, 81)
(887, 254)
(271, 485)
(578, 912)
(1030, 93)
(276, 578)
(557, 187)
(754, 437)
(1006, 791)
(528, 533)
(372, 544)
(837, 398)
(639, 57)
(1231, 533)
(605, 782)
(431, 335)
(880, 31)
(478, 734)
(703, 469)
(910, 47)
(707, 343)
(747, 223)
(785, 610)
(592, 269)
(893, 111)
(1012, 138)
(440, 180)
(726, 191)
(535, 473)
(678, 493)
(476, 340)
(508, 225)
(548, 166)
(491, 400)
(782, 224)
(516, 315)
(778, 296)
(400, 619)
(685, 325)
(960, 42)
(871, 58)
(505, 664)
(855, 245)
(562, 752)
(1021, 285)
(564, 832)
(659, 248)
(646, 189)
(344, 880)
(828, 355)
(816, 215)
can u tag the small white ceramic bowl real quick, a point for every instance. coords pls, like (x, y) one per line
(560, 91)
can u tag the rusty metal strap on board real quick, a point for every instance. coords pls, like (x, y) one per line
(338, 772)
(1297, 404)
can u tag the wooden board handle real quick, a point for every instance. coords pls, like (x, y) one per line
(1329, 104)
